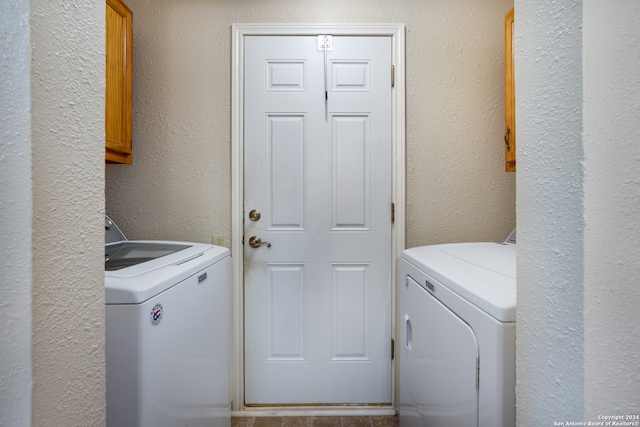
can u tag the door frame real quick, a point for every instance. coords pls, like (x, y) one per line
(239, 32)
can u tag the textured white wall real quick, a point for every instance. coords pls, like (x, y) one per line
(550, 212)
(612, 207)
(67, 131)
(179, 184)
(578, 210)
(15, 216)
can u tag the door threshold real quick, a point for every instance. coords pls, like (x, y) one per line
(315, 411)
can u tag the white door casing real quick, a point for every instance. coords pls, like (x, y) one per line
(318, 169)
(289, 190)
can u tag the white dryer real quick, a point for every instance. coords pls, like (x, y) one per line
(457, 359)
(167, 333)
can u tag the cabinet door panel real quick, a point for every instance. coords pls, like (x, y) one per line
(118, 82)
(509, 95)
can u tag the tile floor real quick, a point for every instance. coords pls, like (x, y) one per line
(351, 421)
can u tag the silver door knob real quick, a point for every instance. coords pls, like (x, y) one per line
(256, 242)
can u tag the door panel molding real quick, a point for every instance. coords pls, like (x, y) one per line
(239, 32)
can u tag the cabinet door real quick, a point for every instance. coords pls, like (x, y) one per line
(119, 24)
(509, 95)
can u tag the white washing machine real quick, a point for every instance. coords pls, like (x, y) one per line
(167, 333)
(457, 359)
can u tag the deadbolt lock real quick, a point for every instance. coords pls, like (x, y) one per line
(254, 215)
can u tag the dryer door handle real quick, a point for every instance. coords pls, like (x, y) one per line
(408, 332)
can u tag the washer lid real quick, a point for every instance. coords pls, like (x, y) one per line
(482, 273)
(136, 270)
(127, 254)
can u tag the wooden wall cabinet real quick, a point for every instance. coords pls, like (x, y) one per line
(509, 95)
(119, 77)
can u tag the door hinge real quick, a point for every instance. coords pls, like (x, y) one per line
(393, 348)
(477, 373)
(393, 213)
(393, 75)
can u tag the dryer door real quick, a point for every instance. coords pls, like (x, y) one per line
(438, 375)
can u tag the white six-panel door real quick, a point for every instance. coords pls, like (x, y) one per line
(317, 168)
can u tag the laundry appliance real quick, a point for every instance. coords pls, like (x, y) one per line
(167, 332)
(457, 358)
